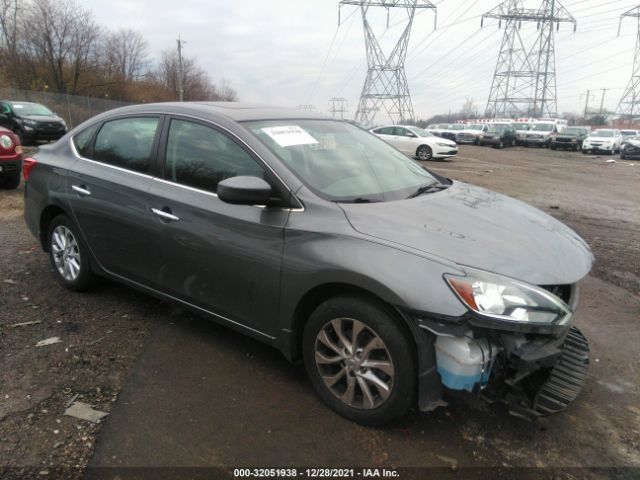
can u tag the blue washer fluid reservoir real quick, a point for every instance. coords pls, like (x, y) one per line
(464, 362)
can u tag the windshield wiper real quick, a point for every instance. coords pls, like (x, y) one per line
(431, 187)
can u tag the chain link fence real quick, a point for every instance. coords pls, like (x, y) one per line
(74, 109)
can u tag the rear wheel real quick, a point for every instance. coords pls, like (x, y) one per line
(359, 360)
(69, 255)
(424, 152)
(9, 181)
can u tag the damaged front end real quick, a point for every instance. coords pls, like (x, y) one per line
(517, 345)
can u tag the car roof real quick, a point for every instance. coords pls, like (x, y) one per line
(236, 111)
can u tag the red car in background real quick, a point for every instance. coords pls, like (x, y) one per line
(10, 159)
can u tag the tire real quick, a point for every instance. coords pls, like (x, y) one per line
(394, 353)
(552, 148)
(20, 136)
(500, 145)
(622, 156)
(71, 265)
(424, 153)
(11, 181)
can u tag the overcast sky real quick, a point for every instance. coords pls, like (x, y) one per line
(273, 51)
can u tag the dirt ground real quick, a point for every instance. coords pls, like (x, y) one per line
(163, 376)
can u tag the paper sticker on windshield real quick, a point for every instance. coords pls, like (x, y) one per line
(289, 135)
(17, 106)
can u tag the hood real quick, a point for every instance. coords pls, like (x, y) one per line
(472, 132)
(479, 228)
(568, 135)
(445, 141)
(43, 118)
(599, 139)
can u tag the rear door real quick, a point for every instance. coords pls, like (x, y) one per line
(222, 258)
(107, 190)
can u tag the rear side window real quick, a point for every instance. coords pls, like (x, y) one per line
(200, 157)
(82, 141)
(126, 143)
(385, 131)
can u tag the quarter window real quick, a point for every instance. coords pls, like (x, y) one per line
(127, 143)
(200, 157)
(82, 141)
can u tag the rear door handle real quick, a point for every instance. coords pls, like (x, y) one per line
(164, 215)
(81, 190)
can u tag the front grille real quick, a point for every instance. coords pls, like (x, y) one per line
(564, 139)
(567, 377)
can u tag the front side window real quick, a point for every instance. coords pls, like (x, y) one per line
(340, 162)
(385, 131)
(420, 132)
(199, 156)
(400, 132)
(126, 143)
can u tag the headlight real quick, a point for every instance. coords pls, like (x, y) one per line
(28, 121)
(444, 144)
(480, 136)
(6, 142)
(509, 301)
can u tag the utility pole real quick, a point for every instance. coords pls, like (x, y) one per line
(586, 103)
(602, 100)
(180, 70)
(524, 82)
(385, 87)
(628, 105)
(338, 107)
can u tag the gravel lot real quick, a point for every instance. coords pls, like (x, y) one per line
(113, 339)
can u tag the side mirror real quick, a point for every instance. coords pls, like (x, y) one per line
(244, 190)
(411, 135)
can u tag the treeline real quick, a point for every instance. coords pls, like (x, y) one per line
(58, 46)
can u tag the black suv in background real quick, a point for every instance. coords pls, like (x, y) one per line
(570, 138)
(31, 121)
(498, 135)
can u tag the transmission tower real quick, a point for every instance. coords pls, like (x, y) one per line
(337, 107)
(306, 107)
(524, 82)
(629, 103)
(385, 86)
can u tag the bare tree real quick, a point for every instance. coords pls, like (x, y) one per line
(196, 82)
(469, 109)
(126, 54)
(9, 12)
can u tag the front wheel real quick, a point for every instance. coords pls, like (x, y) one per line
(69, 255)
(424, 152)
(359, 360)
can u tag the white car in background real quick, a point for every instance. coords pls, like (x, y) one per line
(607, 140)
(471, 133)
(416, 142)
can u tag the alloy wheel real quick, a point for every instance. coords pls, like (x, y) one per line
(66, 253)
(354, 363)
(424, 153)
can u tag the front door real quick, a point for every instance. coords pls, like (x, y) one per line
(222, 258)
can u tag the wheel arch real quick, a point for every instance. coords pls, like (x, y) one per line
(48, 214)
(320, 294)
(424, 145)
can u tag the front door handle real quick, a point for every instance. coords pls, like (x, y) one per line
(165, 215)
(81, 190)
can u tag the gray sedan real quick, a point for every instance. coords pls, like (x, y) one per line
(394, 285)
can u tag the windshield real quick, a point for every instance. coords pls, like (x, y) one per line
(602, 133)
(542, 127)
(340, 162)
(523, 127)
(496, 128)
(457, 126)
(420, 132)
(25, 109)
(475, 126)
(629, 133)
(572, 131)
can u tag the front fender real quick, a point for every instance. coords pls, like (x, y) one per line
(400, 278)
